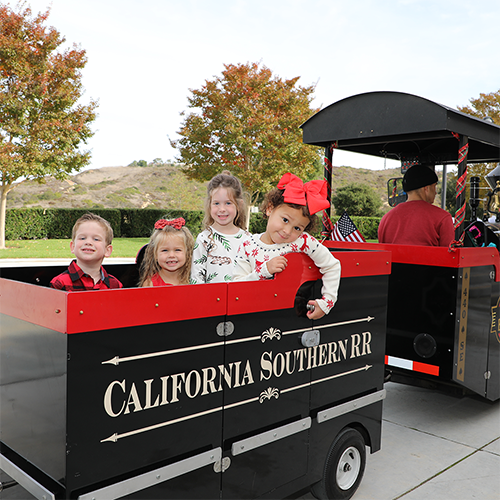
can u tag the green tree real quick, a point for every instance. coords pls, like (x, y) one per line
(247, 121)
(485, 106)
(42, 125)
(358, 200)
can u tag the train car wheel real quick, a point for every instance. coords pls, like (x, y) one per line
(344, 467)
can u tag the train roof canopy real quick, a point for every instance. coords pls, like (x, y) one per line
(403, 127)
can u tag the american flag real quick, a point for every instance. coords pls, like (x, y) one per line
(345, 230)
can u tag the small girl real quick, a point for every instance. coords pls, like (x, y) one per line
(168, 256)
(290, 210)
(224, 230)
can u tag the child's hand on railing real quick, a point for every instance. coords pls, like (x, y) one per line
(314, 311)
(277, 264)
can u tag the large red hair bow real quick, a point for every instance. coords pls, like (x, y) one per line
(175, 223)
(312, 193)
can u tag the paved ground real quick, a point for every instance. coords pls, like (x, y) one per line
(434, 447)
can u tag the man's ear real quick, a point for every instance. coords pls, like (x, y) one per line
(72, 246)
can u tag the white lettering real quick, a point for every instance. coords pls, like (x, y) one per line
(248, 374)
(172, 388)
(367, 338)
(311, 358)
(133, 399)
(107, 398)
(189, 383)
(176, 385)
(266, 365)
(164, 390)
(356, 340)
(148, 396)
(322, 354)
(208, 380)
(279, 360)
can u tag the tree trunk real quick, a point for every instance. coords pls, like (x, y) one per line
(3, 212)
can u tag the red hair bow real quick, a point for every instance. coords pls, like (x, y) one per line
(175, 223)
(312, 193)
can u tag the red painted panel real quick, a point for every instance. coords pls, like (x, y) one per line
(86, 311)
(248, 297)
(106, 309)
(36, 304)
(430, 256)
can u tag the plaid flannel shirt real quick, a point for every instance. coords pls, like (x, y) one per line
(74, 279)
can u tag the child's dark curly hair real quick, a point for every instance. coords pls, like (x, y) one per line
(275, 198)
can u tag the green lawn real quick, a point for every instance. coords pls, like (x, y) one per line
(22, 249)
(59, 249)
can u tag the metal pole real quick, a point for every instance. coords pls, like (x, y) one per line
(443, 188)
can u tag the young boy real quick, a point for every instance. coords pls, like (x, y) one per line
(90, 243)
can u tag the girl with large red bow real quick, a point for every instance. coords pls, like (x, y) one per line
(290, 210)
(168, 255)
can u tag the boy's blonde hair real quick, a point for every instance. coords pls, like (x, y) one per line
(235, 191)
(150, 266)
(90, 217)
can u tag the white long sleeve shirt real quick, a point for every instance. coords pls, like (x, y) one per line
(253, 255)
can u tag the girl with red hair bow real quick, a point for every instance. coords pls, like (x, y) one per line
(290, 211)
(168, 255)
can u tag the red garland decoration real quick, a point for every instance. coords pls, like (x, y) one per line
(327, 223)
(461, 181)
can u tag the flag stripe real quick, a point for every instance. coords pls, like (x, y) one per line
(345, 230)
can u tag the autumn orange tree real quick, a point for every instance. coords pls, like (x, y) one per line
(42, 125)
(486, 105)
(247, 121)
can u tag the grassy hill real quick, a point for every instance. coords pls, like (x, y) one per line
(153, 186)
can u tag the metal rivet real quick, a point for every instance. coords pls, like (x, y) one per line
(81, 312)
(158, 476)
(237, 298)
(157, 305)
(58, 311)
(218, 299)
(357, 263)
(275, 294)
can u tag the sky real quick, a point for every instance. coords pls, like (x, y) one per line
(144, 57)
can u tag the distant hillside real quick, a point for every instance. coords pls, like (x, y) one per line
(111, 187)
(153, 186)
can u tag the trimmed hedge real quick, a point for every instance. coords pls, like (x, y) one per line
(367, 226)
(137, 223)
(50, 223)
(57, 223)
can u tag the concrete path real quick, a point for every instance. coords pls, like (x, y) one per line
(434, 447)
